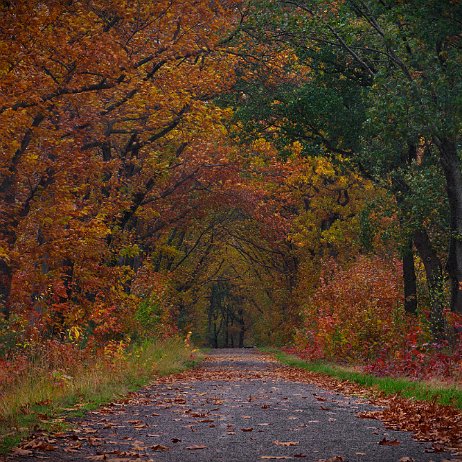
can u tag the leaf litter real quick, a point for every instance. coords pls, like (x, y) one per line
(429, 421)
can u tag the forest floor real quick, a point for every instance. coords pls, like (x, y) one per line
(241, 405)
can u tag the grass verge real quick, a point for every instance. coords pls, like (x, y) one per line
(423, 391)
(41, 401)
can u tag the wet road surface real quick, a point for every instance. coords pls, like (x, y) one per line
(238, 406)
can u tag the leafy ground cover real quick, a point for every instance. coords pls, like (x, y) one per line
(431, 412)
(242, 405)
(44, 395)
(421, 390)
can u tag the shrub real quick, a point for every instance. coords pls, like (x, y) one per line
(356, 312)
(356, 315)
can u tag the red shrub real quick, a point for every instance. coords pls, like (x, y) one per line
(356, 312)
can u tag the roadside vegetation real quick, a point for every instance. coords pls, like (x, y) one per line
(432, 391)
(62, 382)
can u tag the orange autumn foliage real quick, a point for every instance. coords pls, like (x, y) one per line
(106, 127)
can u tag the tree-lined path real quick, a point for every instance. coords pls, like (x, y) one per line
(238, 406)
(178, 174)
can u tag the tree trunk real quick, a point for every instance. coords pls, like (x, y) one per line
(409, 279)
(9, 212)
(5, 284)
(453, 174)
(226, 327)
(242, 329)
(435, 279)
(400, 189)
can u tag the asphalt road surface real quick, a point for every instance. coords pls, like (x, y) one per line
(236, 407)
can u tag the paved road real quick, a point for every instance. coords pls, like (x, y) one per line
(236, 407)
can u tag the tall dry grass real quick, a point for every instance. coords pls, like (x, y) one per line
(52, 385)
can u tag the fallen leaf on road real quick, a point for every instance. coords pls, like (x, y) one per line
(39, 444)
(332, 459)
(368, 415)
(385, 442)
(74, 448)
(247, 429)
(196, 446)
(88, 430)
(22, 452)
(435, 448)
(406, 459)
(276, 457)
(159, 447)
(286, 443)
(123, 459)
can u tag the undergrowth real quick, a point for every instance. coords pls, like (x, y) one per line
(420, 390)
(42, 396)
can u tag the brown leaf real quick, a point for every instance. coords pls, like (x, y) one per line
(159, 447)
(368, 415)
(286, 443)
(435, 448)
(196, 446)
(275, 457)
(39, 444)
(385, 442)
(121, 459)
(249, 429)
(22, 452)
(88, 430)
